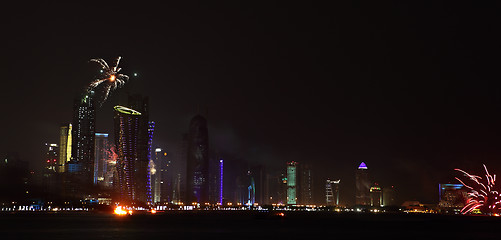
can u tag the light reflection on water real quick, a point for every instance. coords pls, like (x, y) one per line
(242, 225)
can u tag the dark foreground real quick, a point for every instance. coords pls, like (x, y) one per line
(245, 225)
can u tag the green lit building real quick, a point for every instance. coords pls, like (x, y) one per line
(291, 183)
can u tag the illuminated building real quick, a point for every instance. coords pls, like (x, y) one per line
(133, 140)
(221, 181)
(49, 173)
(363, 185)
(332, 192)
(162, 178)
(151, 128)
(126, 141)
(83, 133)
(100, 157)
(451, 196)
(51, 158)
(291, 183)
(198, 161)
(64, 146)
(376, 196)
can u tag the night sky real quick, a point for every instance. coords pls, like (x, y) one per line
(411, 90)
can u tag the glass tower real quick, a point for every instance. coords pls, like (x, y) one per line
(198, 161)
(363, 185)
(126, 141)
(291, 183)
(83, 133)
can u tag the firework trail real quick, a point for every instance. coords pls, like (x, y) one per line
(481, 196)
(110, 77)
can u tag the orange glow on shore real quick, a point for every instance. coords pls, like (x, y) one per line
(119, 211)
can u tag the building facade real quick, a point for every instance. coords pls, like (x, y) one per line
(65, 141)
(197, 175)
(291, 183)
(363, 185)
(126, 140)
(83, 135)
(100, 157)
(332, 192)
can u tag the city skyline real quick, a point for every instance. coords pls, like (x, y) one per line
(411, 90)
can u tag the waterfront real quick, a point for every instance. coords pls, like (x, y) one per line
(245, 225)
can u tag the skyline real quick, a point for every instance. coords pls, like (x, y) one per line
(409, 90)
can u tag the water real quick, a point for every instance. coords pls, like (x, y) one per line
(245, 225)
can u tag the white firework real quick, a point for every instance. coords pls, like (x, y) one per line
(110, 77)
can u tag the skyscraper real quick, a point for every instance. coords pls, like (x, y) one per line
(126, 141)
(291, 183)
(161, 180)
(220, 181)
(198, 161)
(363, 185)
(144, 141)
(100, 157)
(305, 185)
(83, 133)
(332, 192)
(376, 196)
(64, 146)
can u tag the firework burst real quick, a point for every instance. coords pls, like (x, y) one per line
(110, 77)
(481, 196)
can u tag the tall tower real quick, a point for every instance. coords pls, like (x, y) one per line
(305, 185)
(376, 196)
(144, 141)
(64, 146)
(126, 141)
(197, 166)
(83, 133)
(221, 181)
(363, 185)
(332, 192)
(291, 183)
(100, 157)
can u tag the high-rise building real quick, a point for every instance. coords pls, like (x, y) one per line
(49, 173)
(363, 185)
(376, 196)
(451, 196)
(100, 157)
(332, 192)
(198, 161)
(83, 133)
(126, 140)
(389, 196)
(161, 180)
(305, 185)
(144, 141)
(220, 181)
(65, 141)
(51, 159)
(291, 183)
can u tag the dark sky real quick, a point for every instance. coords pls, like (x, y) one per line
(412, 90)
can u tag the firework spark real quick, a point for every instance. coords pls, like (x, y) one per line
(481, 196)
(110, 77)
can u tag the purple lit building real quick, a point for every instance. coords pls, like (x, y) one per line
(363, 185)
